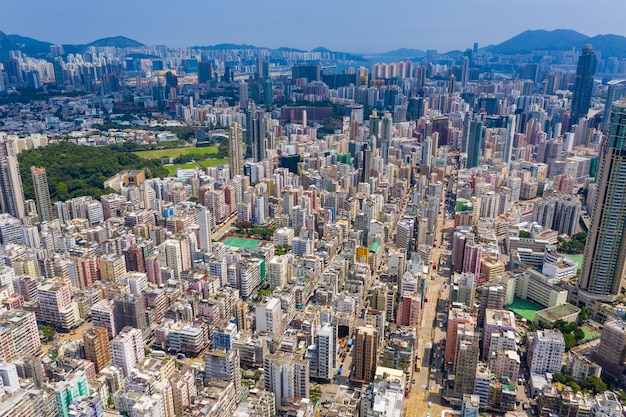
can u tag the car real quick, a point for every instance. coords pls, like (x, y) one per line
(430, 404)
(430, 386)
(413, 382)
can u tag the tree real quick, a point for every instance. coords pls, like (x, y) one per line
(594, 384)
(570, 342)
(579, 334)
(315, 393)
(524, 234)
(48, 332)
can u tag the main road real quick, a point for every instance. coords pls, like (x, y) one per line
(424, 396)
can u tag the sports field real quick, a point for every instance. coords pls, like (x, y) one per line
(174, 152)
(240, 242)
(524, 308)
(207, 163)
(590, 333)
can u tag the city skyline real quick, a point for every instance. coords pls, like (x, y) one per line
(277, 24)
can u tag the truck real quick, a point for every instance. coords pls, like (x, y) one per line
(350, 343)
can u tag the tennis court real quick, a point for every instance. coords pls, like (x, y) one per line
(524, 308)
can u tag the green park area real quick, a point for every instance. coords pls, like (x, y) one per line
(524, 308)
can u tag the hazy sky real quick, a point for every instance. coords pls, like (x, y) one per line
(344, 25)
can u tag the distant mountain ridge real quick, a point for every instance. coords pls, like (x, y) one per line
(560, 40)
(41, 49)
(608, 45)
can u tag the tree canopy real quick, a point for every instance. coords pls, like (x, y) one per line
(76, 170)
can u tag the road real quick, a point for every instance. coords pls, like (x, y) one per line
(428, 380)
(223, 229)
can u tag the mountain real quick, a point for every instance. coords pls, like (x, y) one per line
(30, 44)
(532, 40)
(609, 45)
(117, 41)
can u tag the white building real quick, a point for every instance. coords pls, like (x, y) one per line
(269, 317)
(127, 349)
(546, 352)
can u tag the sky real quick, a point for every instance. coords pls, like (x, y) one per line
(358, 26)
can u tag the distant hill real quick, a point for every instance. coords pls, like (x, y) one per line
(117, 41)
(609, 45)
(29, 46)
(532, 40)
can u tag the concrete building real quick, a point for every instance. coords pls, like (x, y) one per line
(496, 321)
(127, 349)
(56, 306)
(611, 353)
(269, 317)
(286, 376)
(96, 343)
(365, 353)
(545, 353)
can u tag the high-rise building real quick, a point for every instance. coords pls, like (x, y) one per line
(235, 151)
(546, 352)
(611, 353)
(616, 91)
(474, 144)
(365, 354)
(465, 363)
(223, 365)
(11, 192)
(583, 85)
(56, 306)
(324, 358)
(18, 332)
(205, 72)
(130, 310)
(96, 342)
(256, 135)
(605, 252)
(269, 317)
(127, 349)
(286, 376)
(42, 194)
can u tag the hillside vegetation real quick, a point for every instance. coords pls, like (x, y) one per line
(76, 170)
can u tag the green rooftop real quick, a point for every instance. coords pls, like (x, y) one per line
(375, 246)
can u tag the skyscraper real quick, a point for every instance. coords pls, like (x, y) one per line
(235, 152)
(474, 144)
(616, 90)
(11, 192)
(205, 72)
(257, 135)
(605, 251)
(583, 84)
